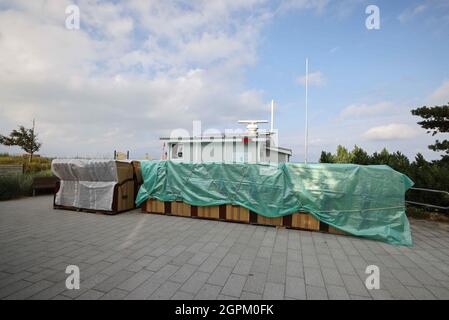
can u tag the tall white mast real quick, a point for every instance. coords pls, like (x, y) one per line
(306, 136)
(272, 116)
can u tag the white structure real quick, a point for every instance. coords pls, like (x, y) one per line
(253, 146)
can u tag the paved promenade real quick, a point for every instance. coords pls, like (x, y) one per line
(143, 256)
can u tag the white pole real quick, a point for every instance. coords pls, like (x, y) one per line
(306, 136)
(272, 116)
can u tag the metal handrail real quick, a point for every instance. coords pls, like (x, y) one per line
(427, 204)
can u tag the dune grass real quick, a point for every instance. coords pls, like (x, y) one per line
(19, 185)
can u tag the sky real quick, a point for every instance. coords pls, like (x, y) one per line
(136, 70)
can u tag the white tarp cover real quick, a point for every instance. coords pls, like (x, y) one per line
(87, 184)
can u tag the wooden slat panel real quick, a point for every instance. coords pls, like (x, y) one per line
(155, 206)
(209, 212)
(305, 221)
(237, 213)
(125, 195)
(269, 221)
(336, 231)
(179, 208)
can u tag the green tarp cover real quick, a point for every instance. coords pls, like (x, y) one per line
(366, 201)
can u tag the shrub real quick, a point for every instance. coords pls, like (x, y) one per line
(19, 185)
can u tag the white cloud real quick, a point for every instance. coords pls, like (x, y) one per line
(365, 110)
(410, 13)
(134, 71)
(317, 5)
(393, 131)
(440, 95)
(315, 79)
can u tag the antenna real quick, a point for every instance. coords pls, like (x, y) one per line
(306, 136)
(272, 116)
(252, 125)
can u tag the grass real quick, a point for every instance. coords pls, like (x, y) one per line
(38, 164)
(19, 185)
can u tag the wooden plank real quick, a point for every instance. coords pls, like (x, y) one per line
(155, 206)
(269, 221)
(237, 213)
(334, 230)
(209, 212)
(125, 196)
(305, 221)
(179, 208)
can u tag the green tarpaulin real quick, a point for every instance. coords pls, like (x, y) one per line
(366, 201)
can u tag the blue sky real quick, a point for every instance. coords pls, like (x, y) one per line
(402, 62)
(136, 70)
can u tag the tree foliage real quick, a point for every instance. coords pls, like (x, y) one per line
(425, 174)
(23, 138)
(436, 120)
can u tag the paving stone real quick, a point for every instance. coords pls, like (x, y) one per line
(179, 295)
(313, 277)
(113, 281)
(380, 294)
(165, 291)
(183, 273)
(50, 292)
(295, 269)
(209, 264)
(421, 293)
(276, 273)
(195, 282)
(230, 260)
(91, 295)
(260, 265)
(337, 292)
(164, 273)
(273, 291)
(208, 292)
(332, 276)
(14, 287)
(115, 294)
(220, 276)
(135, 280)
(29, 291)
(316, 293)
(295, 288)
(143, 291)
(255, 283)
(439, 292)
(234, 285)
(250, 296)
(243, 267)
(355, 286)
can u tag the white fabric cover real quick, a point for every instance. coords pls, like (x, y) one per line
(87, 184)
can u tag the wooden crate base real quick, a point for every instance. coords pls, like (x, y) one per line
(336, 231)
(231, 213)
(90, 210)
(209, 212)
(181, 209)
(237, 214)
(154, 206)
(277, 222)
(305, 221)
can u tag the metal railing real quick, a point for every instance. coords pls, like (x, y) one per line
(428, 204)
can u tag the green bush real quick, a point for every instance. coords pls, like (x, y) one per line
(19, 185)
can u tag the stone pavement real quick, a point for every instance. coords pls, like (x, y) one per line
(143, 256)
